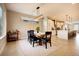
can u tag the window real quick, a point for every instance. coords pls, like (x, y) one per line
(76, 27)
(1, 21)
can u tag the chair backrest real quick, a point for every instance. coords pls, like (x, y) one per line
(48, 35)
(31, 32)
(28, 32)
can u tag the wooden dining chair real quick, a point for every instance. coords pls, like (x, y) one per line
(28, 34)
(33, 38)
(47, 38)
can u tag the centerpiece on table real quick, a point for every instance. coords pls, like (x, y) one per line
(38, 29)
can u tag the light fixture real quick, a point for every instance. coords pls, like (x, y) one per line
(37, 10)
(38, 14)
(38, 7)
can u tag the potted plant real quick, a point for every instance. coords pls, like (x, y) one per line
(38, 29)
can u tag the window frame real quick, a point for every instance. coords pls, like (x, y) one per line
(3, 34)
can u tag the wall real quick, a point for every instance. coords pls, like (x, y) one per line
(14, 22)
(3, 38)
(50, 24)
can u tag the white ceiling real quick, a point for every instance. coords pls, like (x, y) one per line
(49, 9)
(26, 8)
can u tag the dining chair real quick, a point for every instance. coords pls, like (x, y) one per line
(28, 33)
(33, 38)
(47, 38)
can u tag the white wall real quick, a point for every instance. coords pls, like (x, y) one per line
(50, 26)
(14, 22)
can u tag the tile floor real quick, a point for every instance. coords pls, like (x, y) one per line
(60, 47)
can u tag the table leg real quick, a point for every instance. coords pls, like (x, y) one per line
(40, 42)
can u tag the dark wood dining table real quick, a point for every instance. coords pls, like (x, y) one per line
(40, 35)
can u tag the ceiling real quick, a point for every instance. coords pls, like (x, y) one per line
(49, 9)
(26, 8)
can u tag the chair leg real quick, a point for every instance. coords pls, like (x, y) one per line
(50, 43)
(28, 38)
(30, 41)
(46, 45)
(33, 43)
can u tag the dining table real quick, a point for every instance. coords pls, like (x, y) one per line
(40, 35)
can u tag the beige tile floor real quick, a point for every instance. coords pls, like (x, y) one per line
(60, 47)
